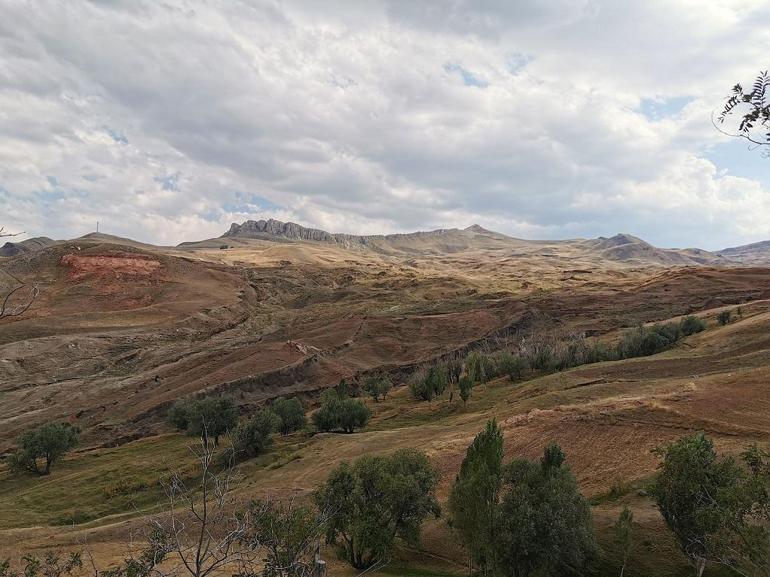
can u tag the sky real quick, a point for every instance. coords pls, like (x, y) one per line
(166, 121)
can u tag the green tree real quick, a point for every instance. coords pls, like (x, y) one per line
(753, 110)
(724, 317)
(253, 435)
(544, 522)
(337, 413)
(374, 501)
(47, 443)
(623, 535)
(466, 387)
(207, 418)
(377, 386)
(473, 498)
(290, 413)
(712, 505)
(353, 414)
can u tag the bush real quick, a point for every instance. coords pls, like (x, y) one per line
(724, 317)
(252, 436)
(644, 341)
(691, 325)
(466, 387)
(479, 367)
(377, 385)
(209, 417)
(290, 414)
(426, 384)
(511, 365)
(337, 413)
(47, 443)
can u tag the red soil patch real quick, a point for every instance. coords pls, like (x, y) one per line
(109, 267)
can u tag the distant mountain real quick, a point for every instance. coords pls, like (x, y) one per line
(757, 253)
(434, 241)
(622, 248)
(25, 246)
(627, 248)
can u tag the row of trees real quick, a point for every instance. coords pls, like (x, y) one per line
(542, 352)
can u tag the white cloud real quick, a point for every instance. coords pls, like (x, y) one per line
(162, 120)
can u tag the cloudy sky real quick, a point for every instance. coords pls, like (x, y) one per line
(166, 121)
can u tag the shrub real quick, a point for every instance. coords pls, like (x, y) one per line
(337, 413)
(253, 435)
(428, 383)
(209, 417)
(466, 387)
(377, 385)
(724, 317)
(47, 443)
(691, 324)
(290, 414)
(511, 365)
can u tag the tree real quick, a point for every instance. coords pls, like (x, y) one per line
(544, 522)
(478, 367)
(253, 435)
(288, 533)
(353, 414)
(337, 413)
(431, 382)
(473, 499)
(623, 529)
(377, 385)
(753, 109)
(713, 507)
(47, 443)
(209, 417)
(724, 317)
(466, 387)
(290, 413)
(374, 501)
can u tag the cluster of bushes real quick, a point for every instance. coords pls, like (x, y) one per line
(649, 340)
(211, 417)
(377, 386)
(340, 412)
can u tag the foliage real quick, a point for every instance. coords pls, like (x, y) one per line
(52, 565)
(713, 506)
(511, 365)
(724, 317)
(648, 340)
(209, 417)
(428, 383)
(544, 522)
(253, 435)
(291, 414)
(375, 500)
(377, 386)
(473, 499)
(48, 443)
(288, 534)
(691, 324)
(754, 110)
(336, 413)
(466, 387)
(623, 533)
(479, 367)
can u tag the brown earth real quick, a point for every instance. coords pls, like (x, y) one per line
(120, 332)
